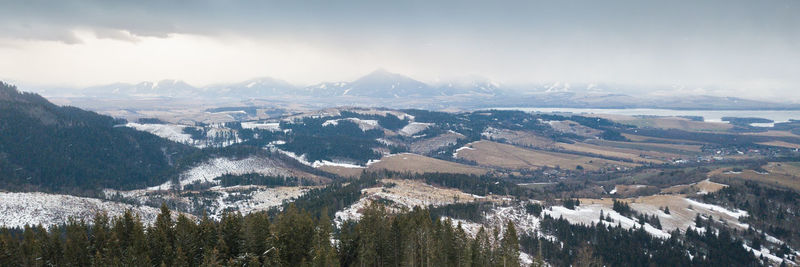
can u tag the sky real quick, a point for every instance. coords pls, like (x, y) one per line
(716, 47)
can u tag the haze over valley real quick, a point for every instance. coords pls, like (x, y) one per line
(435, 133)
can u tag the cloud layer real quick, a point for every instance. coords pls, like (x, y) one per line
(725, 47)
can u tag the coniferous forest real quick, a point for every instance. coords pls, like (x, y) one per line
(291, 238)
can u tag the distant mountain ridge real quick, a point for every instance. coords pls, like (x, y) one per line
(385, 88)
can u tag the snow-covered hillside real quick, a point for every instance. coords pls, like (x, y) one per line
(207, 171)
(19, 209)
(168, 131)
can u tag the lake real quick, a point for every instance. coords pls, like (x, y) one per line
(708, 115)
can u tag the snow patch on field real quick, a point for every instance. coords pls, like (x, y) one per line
(455, 154)
(168, 131)
(587, 214)
(364, 125)
(764, 252)
(414, 128)
(735, 214)
(301, 158)
(403, 195)
(270, 126)
(320, 163)
(207, 171)
(257, 200)
(19, 209)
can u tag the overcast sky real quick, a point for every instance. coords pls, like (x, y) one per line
(725, 47)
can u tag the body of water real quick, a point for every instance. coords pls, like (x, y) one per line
(708, 115)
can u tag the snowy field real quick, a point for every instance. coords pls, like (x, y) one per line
(364, 125)
(18, 209)
(207, 171)
(168, 131)
(414, 128)
(404, 195)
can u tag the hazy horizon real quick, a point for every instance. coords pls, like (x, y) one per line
(721, 48)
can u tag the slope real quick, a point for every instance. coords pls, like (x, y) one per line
(51, 148)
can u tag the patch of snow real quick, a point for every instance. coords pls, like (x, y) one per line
(270, 126)
(19, 209)
(320, 163)
(207, 171)
(169, 131)
(364, 125)
(763, 252)
(301, 158)
(455, 154)
(414, 128)
(590, 214)
(735, 214)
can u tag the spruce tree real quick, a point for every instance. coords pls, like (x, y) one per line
(509, 246)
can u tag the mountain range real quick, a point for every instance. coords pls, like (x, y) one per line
(386, 88)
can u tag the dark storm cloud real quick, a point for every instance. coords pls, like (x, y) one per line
(647, 20)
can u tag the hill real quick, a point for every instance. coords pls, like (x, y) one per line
(45, 147)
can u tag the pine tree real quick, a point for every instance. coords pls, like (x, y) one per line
(161, 237)
(509, 246)
(30, 248)
(585, 257)
(100, 235)
(295, 232)
(256, 233)
(53, 251)
(9, 252)
(76, 244)
(324, 253)
(188, 240)
(210, 258)
(230, 230)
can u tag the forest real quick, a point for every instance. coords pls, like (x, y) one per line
(291, 238)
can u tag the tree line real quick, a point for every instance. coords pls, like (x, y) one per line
(291, 238)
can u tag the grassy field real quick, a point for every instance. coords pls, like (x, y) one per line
(775, 133)
(705, 186)
(780, 144)
(522, 138)
(408, 162)
(657, 147)
(622, 153)
(682, 211)
(671, 123)
(785, 175)
(506, 156)
(649, 139)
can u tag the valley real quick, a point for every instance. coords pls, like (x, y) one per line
(475, 169)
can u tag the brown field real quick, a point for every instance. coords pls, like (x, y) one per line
(628, 190)
(706, 186)
(682, 210)
(342, 171)
(780, 144)
(788, 168)
(631, 154)
(568, 126)
(521, 138)
(676, 123)
(642, 138)
(782, 179)
(506, 156)
(408, 162)
(660, 147)
(775, 133)
(429, 145)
